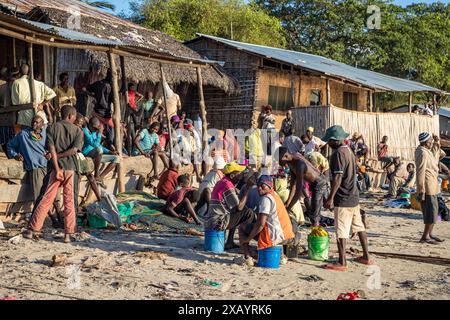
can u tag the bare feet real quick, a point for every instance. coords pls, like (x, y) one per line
(336, 267)
(230, 246)
(363, 260)
(67, 238)
(28, 234)
(428, 241)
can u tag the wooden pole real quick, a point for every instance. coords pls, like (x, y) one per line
(169, 126)
(370, 100)
(31, 73)
(328, 93)
(116, 119)
(202, 109)
(410, 102)
(55, 67)
(299, 89)
(14, 52)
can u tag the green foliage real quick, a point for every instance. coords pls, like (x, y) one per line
(234, 19)
(413, 42)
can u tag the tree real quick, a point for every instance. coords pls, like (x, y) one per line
(413, 42)
(233, 19)
(100, 4)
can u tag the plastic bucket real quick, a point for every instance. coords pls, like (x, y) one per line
(214, 241)
(270, 257)
(318, 248)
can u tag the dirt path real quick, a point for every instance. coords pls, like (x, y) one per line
(146, 265)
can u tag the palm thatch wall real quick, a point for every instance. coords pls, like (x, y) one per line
(402, 129)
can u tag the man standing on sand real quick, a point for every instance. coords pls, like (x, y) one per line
(427, 164)
(303, 171)
(64, 140)
(344, 197)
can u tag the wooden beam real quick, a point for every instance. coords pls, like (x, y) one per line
(370, 100)
(202, 109)
(169, 126)
(410, 101)
(116, 119)
(14, 52)
(31, 73)
(300, 89)
(328, 92)
(55, 67)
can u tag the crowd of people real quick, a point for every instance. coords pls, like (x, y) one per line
(262, 194)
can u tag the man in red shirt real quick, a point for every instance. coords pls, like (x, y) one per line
(168, 181)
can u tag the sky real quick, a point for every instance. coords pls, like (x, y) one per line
(123, 4)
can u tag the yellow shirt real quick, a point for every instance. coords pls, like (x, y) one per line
(20, 94)
(319, 161)
(65, 97)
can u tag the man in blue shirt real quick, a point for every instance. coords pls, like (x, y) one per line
(94, 149)
(29, 146)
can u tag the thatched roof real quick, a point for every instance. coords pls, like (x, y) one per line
(104, 25)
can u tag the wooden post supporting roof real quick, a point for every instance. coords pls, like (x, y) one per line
(169, 126)
(370, 100)
(328, 93)
(116, 119)
(14, 52)
(202, 109)
(31, 73)
(410, 102)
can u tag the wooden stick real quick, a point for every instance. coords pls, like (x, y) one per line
(116, 118)
(410, 101)
(328, 93)
(14, 52)
(169, 126)
(202, 109)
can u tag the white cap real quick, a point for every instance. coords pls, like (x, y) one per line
(219, 163)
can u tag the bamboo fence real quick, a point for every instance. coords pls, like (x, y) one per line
(402, 128)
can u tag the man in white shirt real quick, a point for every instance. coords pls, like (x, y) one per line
(20, 94)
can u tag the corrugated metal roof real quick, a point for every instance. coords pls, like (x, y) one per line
(329, 67)
(445, 112)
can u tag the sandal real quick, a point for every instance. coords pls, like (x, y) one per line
(428, 241)
(363, 261)
(335, 267)
(436, 239)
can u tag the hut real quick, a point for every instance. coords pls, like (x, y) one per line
(322, 92)
(86, 66)
(45, 47)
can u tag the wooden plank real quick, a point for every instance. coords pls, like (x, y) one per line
(202, 109)
(169, 126)
(31, 73)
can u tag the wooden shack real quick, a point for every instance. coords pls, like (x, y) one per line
(86, 66)
(288, 79)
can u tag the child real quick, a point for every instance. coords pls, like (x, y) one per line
(181, 203)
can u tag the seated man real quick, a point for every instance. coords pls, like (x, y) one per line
(226, 211)
(411, 180)
(94, 149)
(147, 144)
(180, 204)
(397, 178)
(208, 183)
(168, 181)
(273, 226)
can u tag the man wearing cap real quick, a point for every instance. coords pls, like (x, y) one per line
(427, 166)
(303, 171)
(226, 211)
(273, 226)
(344, 196)
(208, 183)
(312, 143)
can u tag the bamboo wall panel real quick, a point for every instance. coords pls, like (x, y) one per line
(402, 129)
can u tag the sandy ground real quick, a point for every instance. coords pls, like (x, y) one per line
(151, 265)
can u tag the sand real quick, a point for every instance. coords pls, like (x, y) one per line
(145, 264)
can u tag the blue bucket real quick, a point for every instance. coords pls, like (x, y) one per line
(214, 241)
(270, 257)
